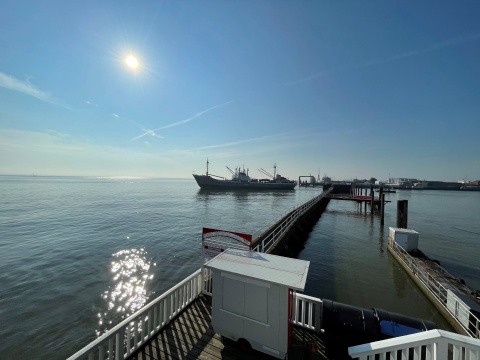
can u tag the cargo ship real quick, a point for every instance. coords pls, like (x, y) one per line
(242, 181)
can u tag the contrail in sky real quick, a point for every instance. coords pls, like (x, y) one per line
(233, 143)
(445, 44)
(197, 115)
(149, 133)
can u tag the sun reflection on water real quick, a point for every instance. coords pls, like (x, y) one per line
(128, 290)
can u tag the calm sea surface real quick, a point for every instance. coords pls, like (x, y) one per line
(79, 254)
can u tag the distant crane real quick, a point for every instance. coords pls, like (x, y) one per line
(265, 172)
(233, 173)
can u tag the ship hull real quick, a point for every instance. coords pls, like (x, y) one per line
(207, 182)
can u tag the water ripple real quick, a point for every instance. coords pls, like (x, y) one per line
(130, 272)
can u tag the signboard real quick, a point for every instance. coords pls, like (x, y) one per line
(215, 241)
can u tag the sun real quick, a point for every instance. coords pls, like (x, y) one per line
(132, 62)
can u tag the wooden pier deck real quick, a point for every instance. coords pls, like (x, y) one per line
(191, 336)
(357, 198)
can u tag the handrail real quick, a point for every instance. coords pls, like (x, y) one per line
(449, 301)
(429, 345)
(126, 337)
(276, 233)
(307, 312)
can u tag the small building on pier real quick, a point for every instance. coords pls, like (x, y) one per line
(253, 298)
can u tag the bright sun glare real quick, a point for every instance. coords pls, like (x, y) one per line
(132, 62)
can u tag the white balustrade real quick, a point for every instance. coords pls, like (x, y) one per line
(427, 345)
(277, 232)
(125, 338)
(307, 311)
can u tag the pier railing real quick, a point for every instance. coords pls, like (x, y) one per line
(428, 345)
(307, 312)
(451, 302)
(128, 336)
(282, 227)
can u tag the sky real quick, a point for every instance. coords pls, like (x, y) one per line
(348, 89)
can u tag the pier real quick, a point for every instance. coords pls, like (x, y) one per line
(288, 234)
(458, 303)
(308, 181)
(177, 324)
(191, 336)
(359, 194)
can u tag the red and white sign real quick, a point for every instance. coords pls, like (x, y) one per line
(215, 241)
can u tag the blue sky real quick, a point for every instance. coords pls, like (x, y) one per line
(344, 88)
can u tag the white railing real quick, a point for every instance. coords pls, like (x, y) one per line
(207, 281)
(307, 312)
(427, 345)
(452, 303)
(278, 231)
(133, 332)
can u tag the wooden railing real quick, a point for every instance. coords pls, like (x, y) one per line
(454, 305)
(307, 312)
(282, 227)
(133, 332)
(427, 345)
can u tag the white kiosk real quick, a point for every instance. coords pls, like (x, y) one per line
(406, 238)
(253, 298)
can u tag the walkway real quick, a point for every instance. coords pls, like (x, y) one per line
(190, 336)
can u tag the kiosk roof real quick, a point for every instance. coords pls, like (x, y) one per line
(274, 269)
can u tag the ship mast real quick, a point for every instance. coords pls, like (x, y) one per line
(274, 171)
(207, 166)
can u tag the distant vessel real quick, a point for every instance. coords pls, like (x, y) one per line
(241, 181)
(386, 189)
(436, 185)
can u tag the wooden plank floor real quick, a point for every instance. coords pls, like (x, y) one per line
(190, 336)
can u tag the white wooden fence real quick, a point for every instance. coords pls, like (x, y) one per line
(278, 231)
(427, 345)
(133, 332)
(307, 312)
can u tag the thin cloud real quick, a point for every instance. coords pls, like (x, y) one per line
(239, 142)
(443, 45)
(308, 78)
(446, 44)
(26, 87)
(116, 116)
(151, 132)
(273, 144)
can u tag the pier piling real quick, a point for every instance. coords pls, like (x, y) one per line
(382, 209)
(402, 214)
(372, 201)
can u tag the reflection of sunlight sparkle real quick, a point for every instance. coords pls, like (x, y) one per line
(127, 292)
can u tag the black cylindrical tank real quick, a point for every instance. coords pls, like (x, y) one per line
(349, 325)
(393, 325)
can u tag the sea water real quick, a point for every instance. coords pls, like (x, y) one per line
(77, 255)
